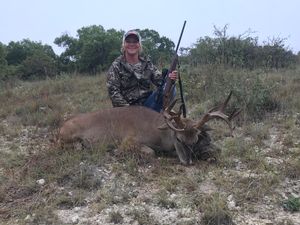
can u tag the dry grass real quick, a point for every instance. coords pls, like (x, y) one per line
(263, 153)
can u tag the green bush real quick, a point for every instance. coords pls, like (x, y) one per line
(292, 204)
(209, 85)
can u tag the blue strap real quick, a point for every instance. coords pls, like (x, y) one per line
(155, 100)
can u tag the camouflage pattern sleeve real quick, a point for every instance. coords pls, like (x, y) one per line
(113, 85)
(156, 78)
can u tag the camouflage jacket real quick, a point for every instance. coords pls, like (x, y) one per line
(131, 84)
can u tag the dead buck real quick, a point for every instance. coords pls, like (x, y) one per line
(162, 132)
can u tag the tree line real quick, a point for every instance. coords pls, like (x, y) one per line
(94, 48)
(242, 51)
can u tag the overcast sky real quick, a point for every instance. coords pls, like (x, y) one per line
(44, 20)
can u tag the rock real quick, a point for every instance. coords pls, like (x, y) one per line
(40, 182)
(75, 219)
(28, 218)
(230, 202)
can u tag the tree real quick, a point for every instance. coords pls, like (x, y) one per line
(16, 53)
(92, 51)
(25, 59)
(38, 65)
(242, 51)
(113, 43)
(3, 62)
(160, 49)
(277, 55)
(19, 51)
(67, 59)
(3, 53)
(96, 46)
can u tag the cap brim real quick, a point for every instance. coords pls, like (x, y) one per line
(132, 35)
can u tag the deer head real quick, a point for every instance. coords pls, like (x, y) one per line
(186, 131)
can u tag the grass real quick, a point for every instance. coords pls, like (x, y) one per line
(142, 217)
(164, 201)
(103, 177)
(292, 168)
(292, 204)
(115, 217)
(69, 200)
(216, 211)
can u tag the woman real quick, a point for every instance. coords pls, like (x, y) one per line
(131, 77)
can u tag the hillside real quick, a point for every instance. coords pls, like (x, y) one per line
(256, 179)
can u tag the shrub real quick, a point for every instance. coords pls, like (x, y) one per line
(292, 204)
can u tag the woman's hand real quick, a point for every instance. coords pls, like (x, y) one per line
(173, 75)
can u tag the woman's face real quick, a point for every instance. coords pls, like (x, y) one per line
(132, 45)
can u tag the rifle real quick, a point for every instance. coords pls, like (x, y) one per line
(170, 84)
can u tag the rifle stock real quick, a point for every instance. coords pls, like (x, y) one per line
(171, 83)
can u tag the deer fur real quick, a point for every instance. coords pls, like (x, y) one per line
(143, 125)
(164, 132)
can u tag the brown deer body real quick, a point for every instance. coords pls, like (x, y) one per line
(160, 131)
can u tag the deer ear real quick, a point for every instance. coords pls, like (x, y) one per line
(164, 126)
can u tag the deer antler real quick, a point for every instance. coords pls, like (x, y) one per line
(218, 112)
(170, 115)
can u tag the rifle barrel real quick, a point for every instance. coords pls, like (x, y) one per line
(171, 83)
(178, 43)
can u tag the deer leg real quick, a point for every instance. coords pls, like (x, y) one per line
(147, 150)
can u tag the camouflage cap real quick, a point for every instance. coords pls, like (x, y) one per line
(132, 33)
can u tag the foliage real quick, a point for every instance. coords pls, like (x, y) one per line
(242, 51)
(3, 53)
(17, 52)
(94, 49)
(115, 217)
(27, 59)
(292, 204)
(159, 48)
(38, 65)
(216, 212)
(67, 58)
(211, 83)
(3, 62)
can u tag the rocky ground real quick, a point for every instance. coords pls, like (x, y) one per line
(159, 190)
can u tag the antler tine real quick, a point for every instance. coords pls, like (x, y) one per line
(221, 115)
(169, 123)
(222, 107)
(170, 107)
(169, 116)
(178, 119)
(181, 108)
(235, 113)
(218, 112)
